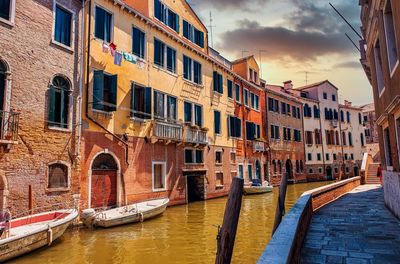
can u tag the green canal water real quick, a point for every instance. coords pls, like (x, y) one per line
(184, 234)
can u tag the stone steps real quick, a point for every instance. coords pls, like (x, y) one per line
(371, 174)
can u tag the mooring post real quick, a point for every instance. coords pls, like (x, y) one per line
(30, 199)
(280, 205)
(227, 233)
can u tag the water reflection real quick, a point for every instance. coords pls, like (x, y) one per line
(184, 234)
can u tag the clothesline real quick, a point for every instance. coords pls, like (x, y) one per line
(119, 55)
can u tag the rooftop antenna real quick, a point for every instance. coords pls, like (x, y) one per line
(211, 30)
(352, 42)
(347, 22)
(261, 51)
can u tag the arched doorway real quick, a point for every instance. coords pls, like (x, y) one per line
(104, 181)
(258, 170)
(356, 171)
(329, 175)
(289, 169)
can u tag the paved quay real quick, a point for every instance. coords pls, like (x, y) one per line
(356, 229)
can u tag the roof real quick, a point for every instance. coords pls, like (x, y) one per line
(279, 90)
(242, 59)
(316, 84)
(350, 107)
(368, 107)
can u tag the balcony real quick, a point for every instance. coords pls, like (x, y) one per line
(167, 132)
(258, 146)
(9, 127)
(334, 123)
(195, 136)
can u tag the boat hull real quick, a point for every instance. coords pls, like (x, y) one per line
(13, 247)
(257, 189)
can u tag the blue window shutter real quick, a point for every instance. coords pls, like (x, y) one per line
(157, 9)
(98, 90)
(113, 93)
(52, 105)
(147, 102)
(185, 29)
(217, 122)
(177, 25)
(132, 107)
(99, 23)
(201, 43)
(215, 80)
(220, 84)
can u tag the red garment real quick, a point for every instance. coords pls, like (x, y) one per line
(379, 174)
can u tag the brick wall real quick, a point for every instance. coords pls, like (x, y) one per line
(391, 181)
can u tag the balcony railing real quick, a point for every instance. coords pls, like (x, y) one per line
(258, 146)
(167, 131)
(8, 127)
(196, 136)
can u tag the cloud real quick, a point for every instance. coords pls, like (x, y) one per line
(348, 64)
(247, 5)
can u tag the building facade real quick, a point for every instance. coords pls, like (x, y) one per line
(380, 59)
(284, 121)
(369, 120)
(39, 99)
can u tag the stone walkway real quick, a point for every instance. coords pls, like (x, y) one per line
(356, 228)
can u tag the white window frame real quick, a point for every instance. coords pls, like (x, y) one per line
(215, 157)
(193, 113)
(73, 19)
(111, 26)
(241, 164)
(145, 41)
(11, 21)
(165, 117)
(392, 64)
(164, 171)
(192, 61)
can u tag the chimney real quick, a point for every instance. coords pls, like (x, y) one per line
(288, 85)
(347, 103)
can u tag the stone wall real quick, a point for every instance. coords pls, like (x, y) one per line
(391, 182)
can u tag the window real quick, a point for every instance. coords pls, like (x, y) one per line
(367, 132)
(251, 76)
(283, 108)
(378, 67)
(237, 93)
(317, 113)
(346, 156)
(348, 116)
(334, 156)
(246, 97)
(327, 156)
(58, 176)
(252, 131)
(159, 176)
(7, 10)
(165, 107)
(309, 156)
(193, 114)
(388, 148)
(219, 179)
(344, 138)
(275, 132)
(217, 122)
(59, 102)
(254, 101)
(273, 105)
(218, 82)
(104, 91)
(362, 139)
(297, 135)
(194, 156)
(318, 137)
(334, 97)
(352, 156)
(138, 42)
(164, 53)
(309, 137)
(335, 115)
(336, 170)
(310, 171)
(140, 101)
(350, 139)
(341, 116)
(320, 170)
(319, 156)
(234, 127)
(325, 95)
(62, 26)
(307, 111)
(229, 84)
(165, 15)
(218, 157)
(193, 34)
(240, 169)
(250, 171)
(347, 169)
(390, 35)
(192, 70)
(103, 24)
(233, 157)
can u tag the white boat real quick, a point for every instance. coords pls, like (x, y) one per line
(133, 213)
(28, 233)
(257, 189)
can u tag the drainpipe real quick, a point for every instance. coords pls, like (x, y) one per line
(78, 145)
(304, 136)
(322, 142)
(341, 142)
(87, 90)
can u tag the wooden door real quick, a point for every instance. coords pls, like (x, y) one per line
(104, 188)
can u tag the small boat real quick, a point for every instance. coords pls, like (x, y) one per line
(25, 234)
(133, 213)
(255, 187)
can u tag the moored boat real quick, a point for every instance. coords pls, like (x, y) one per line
(255, 187)
(133, 213)
(25, 234)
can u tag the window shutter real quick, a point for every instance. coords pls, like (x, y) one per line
(52, 105)
(132, 101)
(64, 109)
(98, 90)
(201, 43)
(147, 102)
(215, 81)
(113, 93)
(177, 25)
(185, 29)
(220, 84)
(230, 126)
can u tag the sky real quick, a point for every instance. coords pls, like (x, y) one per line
(300, 40)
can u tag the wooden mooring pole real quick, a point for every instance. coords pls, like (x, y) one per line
(280, 205)
(30, 199)
(227, 233)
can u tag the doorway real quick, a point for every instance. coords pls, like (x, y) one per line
(289, 170)
(195, 188)
(329, 175)
(104, 181)
(258, 170)
(356, 171)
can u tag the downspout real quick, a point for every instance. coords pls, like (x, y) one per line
(322, 142)
(78, 145)
(341, 143)
(304, 136)
(87, 90)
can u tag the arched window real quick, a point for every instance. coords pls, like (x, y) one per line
(57, 176)
(335, 114)
(258, 170)
(59, 101)
(280, 166)
(348, 117)
(3, 84)
(359, 118)
(341, 116)
(337, 138)
(350, 139)
(104, 162)
(306, 107)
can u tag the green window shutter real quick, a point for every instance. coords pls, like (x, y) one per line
(64, 108)
(132, 101)
(52, 105)
(147, 103)
(220, 84)
(113, 93)
(215, 80)
(98, 90)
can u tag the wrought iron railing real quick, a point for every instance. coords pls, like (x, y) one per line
(167, 131)
(196, 136)
(9, 126)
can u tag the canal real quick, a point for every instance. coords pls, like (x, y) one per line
(184, 234)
